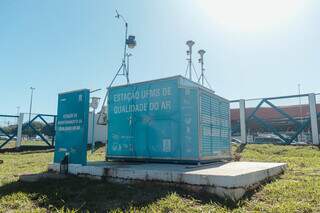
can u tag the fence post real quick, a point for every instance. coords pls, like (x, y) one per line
(19, 130)
(313, 119)
(243, 130)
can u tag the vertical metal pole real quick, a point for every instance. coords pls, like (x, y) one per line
(300, 109)
(31, 103)
(92, 133)
(201, 52)
(54, 127)
(243, 127)
(125, 71)
(190, 63)
(313, 119)
(19, 130)
(202, 72)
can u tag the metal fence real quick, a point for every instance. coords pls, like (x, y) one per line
(283, 120)
(8, 129)
(39, 127)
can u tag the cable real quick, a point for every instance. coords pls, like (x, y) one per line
(186, 73)
(207, 82)
(194, 69)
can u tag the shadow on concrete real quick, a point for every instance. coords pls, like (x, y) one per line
(99, 196)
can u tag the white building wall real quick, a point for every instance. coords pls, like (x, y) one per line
(100, 131)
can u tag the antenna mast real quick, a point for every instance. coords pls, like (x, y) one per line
(201, 53)
(202, 79)
(129, 42)
(189, 43)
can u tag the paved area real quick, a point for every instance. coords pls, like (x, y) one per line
(228, 180)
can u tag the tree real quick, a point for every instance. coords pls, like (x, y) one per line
(29, 131)
(11, 129)
(48, 130)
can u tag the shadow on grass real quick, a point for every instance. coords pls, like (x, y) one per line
(33, 149)
(28, 149)
(95, 195)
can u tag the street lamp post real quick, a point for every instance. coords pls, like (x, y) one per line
(31, 98)
(18, 110)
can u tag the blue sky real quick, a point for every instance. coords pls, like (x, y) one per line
(254, 48)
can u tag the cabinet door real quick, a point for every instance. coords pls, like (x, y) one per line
(162, 137)
(120, 136)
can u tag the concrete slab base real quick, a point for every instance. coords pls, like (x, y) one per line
(37, 177)
(227, 180)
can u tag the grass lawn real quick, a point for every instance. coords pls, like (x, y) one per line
(297, 190)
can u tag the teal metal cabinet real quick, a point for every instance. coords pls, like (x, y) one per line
(171, 119)
(72, 127)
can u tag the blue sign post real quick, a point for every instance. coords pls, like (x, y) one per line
(72, 127)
